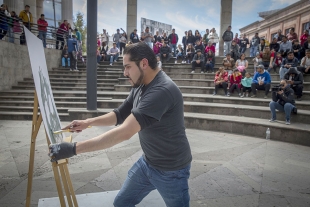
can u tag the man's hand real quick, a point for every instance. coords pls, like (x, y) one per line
(270, 66)
(62, 151)
(164, 55)
(197, 61)
(261, 83)
(217, 82)
(77, 125)
(307, 69)
(280, 92)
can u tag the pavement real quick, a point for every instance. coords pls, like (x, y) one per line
(227, 169)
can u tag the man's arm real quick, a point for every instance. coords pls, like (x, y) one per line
(110, 138)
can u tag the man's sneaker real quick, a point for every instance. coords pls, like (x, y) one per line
(265, 97)
(193, 71)
(175, 62)
(111, 64)
(214, 94)
(253, 96)
(228, 94)
(201, 72)
(115, 61)
(287, 122)
(240, 95)
(247, 95)
(298, 98)
(272, 120)
(76, 70)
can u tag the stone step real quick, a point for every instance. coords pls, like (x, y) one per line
(71, 84)
(75, 80)
(303, 116)
(64, 88)
(203, 90)
(4, 115)
(82, 75)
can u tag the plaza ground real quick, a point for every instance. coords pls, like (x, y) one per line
(227, 170)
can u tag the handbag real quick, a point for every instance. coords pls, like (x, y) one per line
(16, 27)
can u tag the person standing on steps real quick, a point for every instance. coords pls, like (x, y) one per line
(227, 37)
(72, 50)
(155, 110)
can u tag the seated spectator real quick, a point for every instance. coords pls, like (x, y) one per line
(295, 79)
(221, 80)
(190, 52)
(306, 45)
(209, 47)
(285, 47)
(296, 49)
(288, 62)
(277, 62)
(257, 61)
(242, 64)
(246, 85)
(114, 53)
(157, 37)
(279, 36)
(261, 45)
(65, 57)
(205, 38)
(228, 63)
(180, 53)
(305, 63)
(235, 82)
(200, 47)
(234, 50)
(134, 36)
(283, 101)
(156, 48)
(210, 61)
(103, 52)
(261, 81)
(184, 39)
(267, 58)
(303, 39)
(244, 42)
(159, 63)
(291, 35)
(198, 60)
(274, 45)
(165, 53)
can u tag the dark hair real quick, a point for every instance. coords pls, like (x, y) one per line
(65, 20)
(147, 28)
(293, 29)
(248, 73)
(228, 54)
(27, 6)
(279, 53)
(290, 52)
(139, 51)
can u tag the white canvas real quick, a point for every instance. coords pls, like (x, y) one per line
(43, 87)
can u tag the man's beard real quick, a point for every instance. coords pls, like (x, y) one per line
(139, 81)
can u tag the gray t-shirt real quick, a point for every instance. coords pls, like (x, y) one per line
(148, 39)
(158, 107)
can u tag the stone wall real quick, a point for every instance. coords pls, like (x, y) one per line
(15, 63)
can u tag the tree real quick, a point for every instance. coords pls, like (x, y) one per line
(79, 24)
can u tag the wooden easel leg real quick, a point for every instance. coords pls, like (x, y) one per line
(58, 185)
(36, 123)
(65, 184)
(70, 185)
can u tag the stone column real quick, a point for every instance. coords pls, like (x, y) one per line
(15, 5)
(226, 16)
(33, 9)
(39, 8)
(67, 11)
(131, 16)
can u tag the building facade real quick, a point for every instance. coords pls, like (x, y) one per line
(63, 9)
(296, 15)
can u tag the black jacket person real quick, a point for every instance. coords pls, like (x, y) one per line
(295, 79)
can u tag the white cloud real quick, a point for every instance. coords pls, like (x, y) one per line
(278, 4)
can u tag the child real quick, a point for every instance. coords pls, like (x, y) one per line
(235, 82)
(296, 49)
(257, 61)
(246, 84)
(159, 64)
(277, 62)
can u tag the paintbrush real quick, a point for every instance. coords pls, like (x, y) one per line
(65, 130)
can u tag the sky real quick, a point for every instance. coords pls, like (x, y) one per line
(181, 14)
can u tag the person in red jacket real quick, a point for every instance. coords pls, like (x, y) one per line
(62, 30)
(211, 47)
(42, 27)
(220, 80)
(235, 82)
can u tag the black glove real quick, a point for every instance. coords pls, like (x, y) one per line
(62, 150)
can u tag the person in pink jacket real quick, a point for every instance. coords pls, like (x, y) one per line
(211, 47)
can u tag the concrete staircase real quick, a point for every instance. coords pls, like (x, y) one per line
(244, 116)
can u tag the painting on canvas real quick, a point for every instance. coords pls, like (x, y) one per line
(43, 88)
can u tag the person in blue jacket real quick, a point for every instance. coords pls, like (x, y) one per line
(72, 50)
(261, 81)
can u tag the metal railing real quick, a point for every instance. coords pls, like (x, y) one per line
(12, 29)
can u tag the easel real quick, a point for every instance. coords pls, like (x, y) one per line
(60, 166)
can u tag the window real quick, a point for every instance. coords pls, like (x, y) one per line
(49, 12)
(272, 35)
(306, 26)
(286, 31)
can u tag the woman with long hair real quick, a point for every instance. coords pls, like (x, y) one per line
(242, 64)
(190, 51)
(190, 38)
(197, 36)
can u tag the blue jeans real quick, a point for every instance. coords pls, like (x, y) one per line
(210, 67)
(242, 50)
(227, 47)
(42, 36)
(253, 51)
(282, 72)
(63, 61)
(174, 46)
(11, 34)
(113, 57)
(118, 44)
(142, 179)
(287, 109)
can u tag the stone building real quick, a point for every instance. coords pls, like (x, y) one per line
(296, 15)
